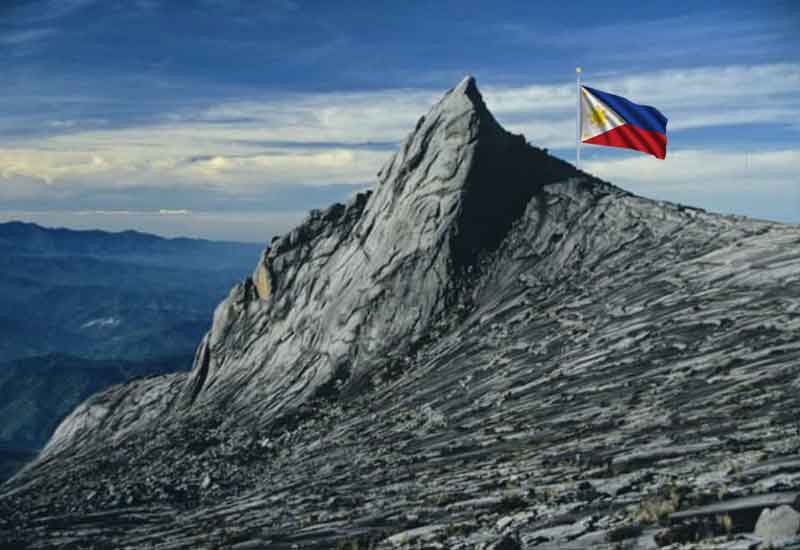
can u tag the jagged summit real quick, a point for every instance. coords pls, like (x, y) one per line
(462, 162)
(369, 278)
(489, 343)
(356, 283)
(456, 98)
(360, 282)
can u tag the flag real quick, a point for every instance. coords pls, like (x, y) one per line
(613, 121)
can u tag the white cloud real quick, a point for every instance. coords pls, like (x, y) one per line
(50, 166)
(23, 37)
(318, 138)
(128, 159)
(51, 9)
(690, 98)
(759, 184)
(332, 166)
(703, 168)
(713, 86)
(346, 117)
(174, 212)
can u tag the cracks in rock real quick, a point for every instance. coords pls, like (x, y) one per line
(410, 164)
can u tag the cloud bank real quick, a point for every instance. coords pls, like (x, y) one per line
(240, 150)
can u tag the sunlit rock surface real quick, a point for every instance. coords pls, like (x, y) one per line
(489, 350)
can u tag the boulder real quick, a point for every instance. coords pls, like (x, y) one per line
(778, 523)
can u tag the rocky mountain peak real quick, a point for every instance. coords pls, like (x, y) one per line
(339, 301)
(459, 176)
(350, 291)
(356, 281)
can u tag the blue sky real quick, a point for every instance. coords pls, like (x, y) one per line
(230, 119)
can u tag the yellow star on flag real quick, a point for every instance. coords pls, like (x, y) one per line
(598, 117)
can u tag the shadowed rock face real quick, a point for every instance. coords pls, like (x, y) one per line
(488, 348)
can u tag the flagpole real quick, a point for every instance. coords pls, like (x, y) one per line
(578, 119)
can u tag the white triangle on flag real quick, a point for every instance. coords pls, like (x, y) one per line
(596, 117)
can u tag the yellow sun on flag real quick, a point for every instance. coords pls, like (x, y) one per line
(598, 117)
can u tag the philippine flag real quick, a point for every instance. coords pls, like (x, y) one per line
(611, 120)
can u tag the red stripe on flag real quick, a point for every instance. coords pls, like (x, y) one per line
(628, 136)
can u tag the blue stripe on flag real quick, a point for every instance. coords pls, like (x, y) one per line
(643, 116)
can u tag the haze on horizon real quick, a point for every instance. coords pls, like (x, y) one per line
(231, 119)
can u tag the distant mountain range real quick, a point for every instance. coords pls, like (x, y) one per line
(102, 295)
(82, 310)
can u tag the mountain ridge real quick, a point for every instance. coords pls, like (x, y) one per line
(21, 238)
(64, 235)
(56, 282)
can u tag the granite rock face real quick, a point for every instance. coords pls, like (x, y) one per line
(361, 282)
(490, 349)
